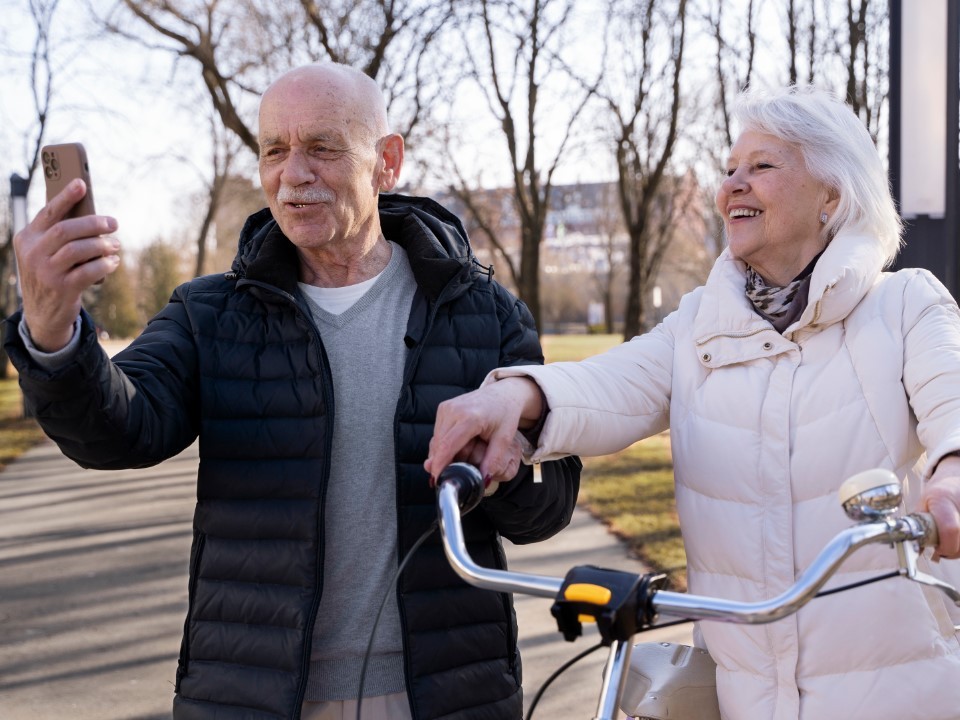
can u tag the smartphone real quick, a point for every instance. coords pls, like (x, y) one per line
(61, 164)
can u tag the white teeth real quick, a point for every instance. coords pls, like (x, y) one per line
(298, 206)
(743, 212)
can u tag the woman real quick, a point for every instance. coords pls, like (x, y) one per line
(797, 364)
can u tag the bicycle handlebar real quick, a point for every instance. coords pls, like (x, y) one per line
(461, 481)
(904, 529)
(625, 603)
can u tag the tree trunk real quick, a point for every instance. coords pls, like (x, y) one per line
(633, 314)
(529, 282)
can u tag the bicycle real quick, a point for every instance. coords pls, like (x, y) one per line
(625, 604)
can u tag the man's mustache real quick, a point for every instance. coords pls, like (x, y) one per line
(304, 196)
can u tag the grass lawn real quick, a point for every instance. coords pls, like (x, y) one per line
(17, 433)
(557, 348)
(632, 491)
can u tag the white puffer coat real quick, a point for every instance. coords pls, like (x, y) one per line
(764, 429)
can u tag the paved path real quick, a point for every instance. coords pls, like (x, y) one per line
(93, 593)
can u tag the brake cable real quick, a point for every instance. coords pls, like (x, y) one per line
(383, 603)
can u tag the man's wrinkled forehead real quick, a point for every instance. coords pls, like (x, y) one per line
(316, 102)
(286, 117)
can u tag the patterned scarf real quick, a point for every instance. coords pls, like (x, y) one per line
(771, 301)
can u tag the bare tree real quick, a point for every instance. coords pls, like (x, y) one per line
(812, 43)
(612, 234)
(803, 38)
(645, 118)
(734, 61)
(735, 58)
(793, 39)
(519, 56)
(223, 154)
(391, 41)
(41, 80)
(864, 52)
(238, 46)
(856, 39)
(694, 225)
(847, 49)
(225, 40)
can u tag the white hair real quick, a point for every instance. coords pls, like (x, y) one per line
(837, 150)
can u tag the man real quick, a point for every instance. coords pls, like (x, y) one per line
(311, 373)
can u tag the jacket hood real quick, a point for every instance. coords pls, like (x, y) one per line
(433, 237)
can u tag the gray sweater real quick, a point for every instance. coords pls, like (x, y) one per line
(367, 353)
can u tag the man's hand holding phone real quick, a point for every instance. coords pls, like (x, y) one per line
(58, 257)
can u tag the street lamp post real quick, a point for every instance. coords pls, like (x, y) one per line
(11, 283)
(924, 124)
(18, 217)
(657, 297)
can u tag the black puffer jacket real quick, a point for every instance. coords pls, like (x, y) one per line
(235, 358)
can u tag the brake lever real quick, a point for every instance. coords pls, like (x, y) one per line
(908, 552)
(874, 496)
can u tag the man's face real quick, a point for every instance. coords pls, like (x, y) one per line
(318, 162)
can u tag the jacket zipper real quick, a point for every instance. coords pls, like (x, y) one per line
(184, 667)
(512, 650)
(411, 364)
(819, 305)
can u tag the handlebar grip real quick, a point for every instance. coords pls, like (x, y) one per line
(468, 481)
(931, 537)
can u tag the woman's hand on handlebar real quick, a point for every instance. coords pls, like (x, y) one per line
(480, 427)
(941, 498)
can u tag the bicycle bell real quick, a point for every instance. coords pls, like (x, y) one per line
(871, 495)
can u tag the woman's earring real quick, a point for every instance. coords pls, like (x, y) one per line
(823, 218)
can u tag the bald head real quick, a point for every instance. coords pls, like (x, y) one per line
(346, 93)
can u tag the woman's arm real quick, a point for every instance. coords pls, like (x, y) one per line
(931, 376)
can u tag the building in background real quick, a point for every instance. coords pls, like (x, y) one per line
(584, 253)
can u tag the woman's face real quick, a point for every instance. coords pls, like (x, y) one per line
(771, 207)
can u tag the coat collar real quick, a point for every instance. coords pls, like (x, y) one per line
(848, 268)
(433, 237)
(728, 330)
